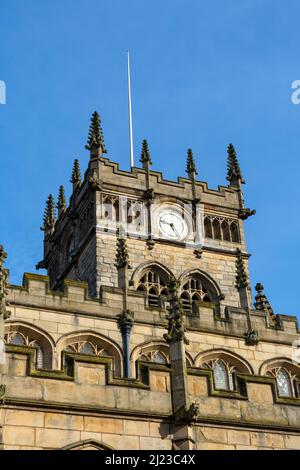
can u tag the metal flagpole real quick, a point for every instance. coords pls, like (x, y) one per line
(130, 111)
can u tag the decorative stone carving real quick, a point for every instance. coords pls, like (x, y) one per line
(198, 253)
(149, 195)
(145, 155)
(244, 213)
(190, 165)
(234, 174)
(95, 143)
(126, 321)
(3, 285)
(76, 174)
(176, 328)
(49, 216)
(241, 280)
(252, 337)
(261, 302)
(189, 414)
(122, 258)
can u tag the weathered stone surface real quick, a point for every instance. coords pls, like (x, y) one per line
(79, 399)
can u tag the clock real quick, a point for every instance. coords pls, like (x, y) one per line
(172, 225)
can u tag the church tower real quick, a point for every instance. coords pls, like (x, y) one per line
(182, 226)
(145, 333)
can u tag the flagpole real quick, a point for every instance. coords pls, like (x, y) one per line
(130, 111)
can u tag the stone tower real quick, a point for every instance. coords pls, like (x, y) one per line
(144, 334)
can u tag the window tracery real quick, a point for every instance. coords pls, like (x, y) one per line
(86, 347)
(195, 289)
(157, 356)
(223, 374)
(284, 380)
(19, 339)
(154, 283)
(219, 228)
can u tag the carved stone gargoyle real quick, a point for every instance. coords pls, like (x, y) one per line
(244, 213)
(187, 415)
(252, 337)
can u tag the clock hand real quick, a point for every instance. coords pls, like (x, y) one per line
(174, 230)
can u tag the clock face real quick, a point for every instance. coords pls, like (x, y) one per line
(172, 225)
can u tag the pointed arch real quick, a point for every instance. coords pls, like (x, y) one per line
(208, 227)
(234, 232)
(153, 346)
(225, 231)
(240, 364)
(283, 361)
(214, 288)
(152, 279)
(101, 344)
(88, 444)
(148, 265)
(216, 226)
(32, 336)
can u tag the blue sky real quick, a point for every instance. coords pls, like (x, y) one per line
(204, 74)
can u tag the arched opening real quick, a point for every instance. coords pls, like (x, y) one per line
(208, 228)
(286, 373)
(221, 378)
(284, 383)
(224, 365)
(216, 229)
(92, 344)
(198, 289)
(225, 231)
(154, 282)
(234, 232)
(27, 335)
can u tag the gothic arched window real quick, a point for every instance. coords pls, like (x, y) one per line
(196, 289)
(284, 381)
(208, 228)
(154, 283)
(216, 229)
(222, 373)
(234, 232)
(225, 231)
(19, 339)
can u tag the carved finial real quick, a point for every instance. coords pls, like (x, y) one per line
(49, 214)
(61, 202)
(241, 279)
(176, 328)
(261, 301)
(76, 175)
(145, 155)
(234, 174)
(190, 164)
(122, 258)
(3, 285)
(95, 143)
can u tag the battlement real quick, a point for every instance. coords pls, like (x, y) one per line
(74, 299)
